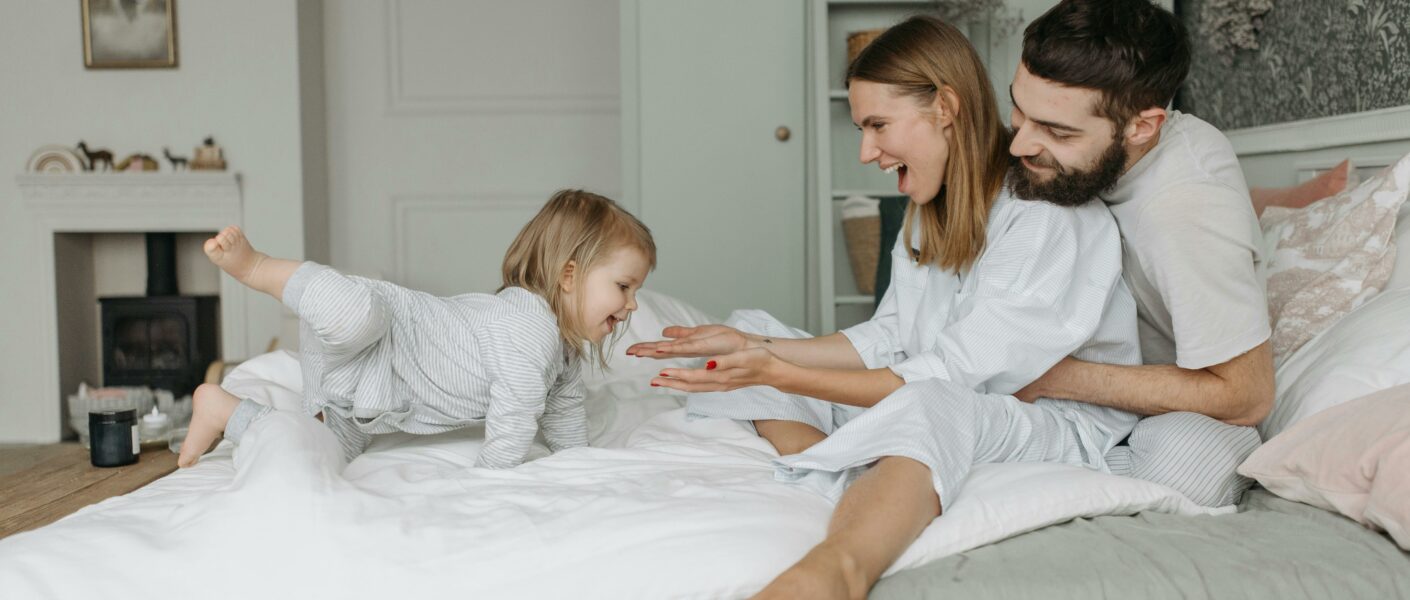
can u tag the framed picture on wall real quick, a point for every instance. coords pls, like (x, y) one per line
(129, 34)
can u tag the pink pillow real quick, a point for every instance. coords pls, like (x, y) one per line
(1353, 459)
(1328, 183)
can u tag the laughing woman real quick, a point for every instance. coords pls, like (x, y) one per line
(988, 291)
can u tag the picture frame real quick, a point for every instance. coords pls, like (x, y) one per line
(129, 34)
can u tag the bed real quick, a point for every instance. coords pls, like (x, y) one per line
(662, 507)
(659, 507)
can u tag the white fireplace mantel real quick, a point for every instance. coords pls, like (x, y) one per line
(122, 203)
(131, 202)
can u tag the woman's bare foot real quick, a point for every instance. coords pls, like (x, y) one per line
(211, 408)
(823, 573)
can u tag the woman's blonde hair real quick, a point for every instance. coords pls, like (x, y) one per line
(582, 228)
(923, 56)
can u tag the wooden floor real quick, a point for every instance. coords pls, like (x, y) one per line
(41, 483)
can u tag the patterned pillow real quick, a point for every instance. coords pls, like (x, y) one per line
(1330, 257)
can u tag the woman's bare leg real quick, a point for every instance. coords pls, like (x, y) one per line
(789, 437)
(232, 252)
(878, 518)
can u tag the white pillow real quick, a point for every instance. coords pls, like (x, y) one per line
(1366, 351)
(1400, 273)
(1002, 500)
(272, 379)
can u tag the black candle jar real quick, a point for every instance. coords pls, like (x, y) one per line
(113, 437)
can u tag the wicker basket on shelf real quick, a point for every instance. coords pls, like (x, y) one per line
(861, 227)
(858, 40)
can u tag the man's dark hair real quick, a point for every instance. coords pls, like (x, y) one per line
(1132, 51)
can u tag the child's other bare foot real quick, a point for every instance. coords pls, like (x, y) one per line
(230, 251)
(211, 408)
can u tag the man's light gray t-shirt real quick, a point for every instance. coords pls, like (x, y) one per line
(1191, 252)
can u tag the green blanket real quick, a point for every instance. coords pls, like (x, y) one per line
(1271, 548)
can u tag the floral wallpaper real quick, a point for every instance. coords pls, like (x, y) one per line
(1313, 58)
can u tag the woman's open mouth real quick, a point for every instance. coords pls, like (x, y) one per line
(901, 171)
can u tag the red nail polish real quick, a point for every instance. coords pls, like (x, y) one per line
(663, 374)
(655, 385)
(710, 365)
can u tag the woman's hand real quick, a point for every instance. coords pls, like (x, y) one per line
(691, 342)
(753, 366)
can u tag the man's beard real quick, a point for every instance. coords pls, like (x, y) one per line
(1069, 187)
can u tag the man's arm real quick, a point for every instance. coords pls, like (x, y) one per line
(1238, 392)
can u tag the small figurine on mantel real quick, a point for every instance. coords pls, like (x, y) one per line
(208, 157)
(177, 162)
(138, 162)
(96, 157)
(53, 158)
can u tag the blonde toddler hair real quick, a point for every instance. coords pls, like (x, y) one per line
(582, 228)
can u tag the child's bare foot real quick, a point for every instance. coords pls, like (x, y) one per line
(230, 251)
(211, 408)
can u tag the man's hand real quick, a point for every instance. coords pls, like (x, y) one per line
(1035, 390)
(1238, 391)
(754, 366)
(690, 342)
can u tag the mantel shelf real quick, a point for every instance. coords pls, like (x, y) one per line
(132, 201)
(117, 178)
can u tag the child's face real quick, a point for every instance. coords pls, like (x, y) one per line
(609, 291)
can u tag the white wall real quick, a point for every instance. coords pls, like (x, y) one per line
(451, 121)
(442, 126)
(238, 79)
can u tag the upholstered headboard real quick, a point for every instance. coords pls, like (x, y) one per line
(1289, 153)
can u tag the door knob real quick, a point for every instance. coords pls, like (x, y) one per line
(782, 133)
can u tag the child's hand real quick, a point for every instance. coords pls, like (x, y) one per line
(754, 366)
(705, 340)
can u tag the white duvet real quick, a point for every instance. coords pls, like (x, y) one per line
(658, 508)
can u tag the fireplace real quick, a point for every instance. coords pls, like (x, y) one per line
(163, 342)
(80, 246)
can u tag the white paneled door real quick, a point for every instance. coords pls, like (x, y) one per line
(450, 122)
(715, 151)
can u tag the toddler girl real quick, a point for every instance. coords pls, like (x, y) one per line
(379, 358)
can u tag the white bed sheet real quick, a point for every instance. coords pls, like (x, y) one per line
(658, 508)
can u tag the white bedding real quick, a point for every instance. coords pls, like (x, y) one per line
(658, 508)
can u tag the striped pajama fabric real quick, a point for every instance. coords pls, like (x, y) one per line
(379, 358)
